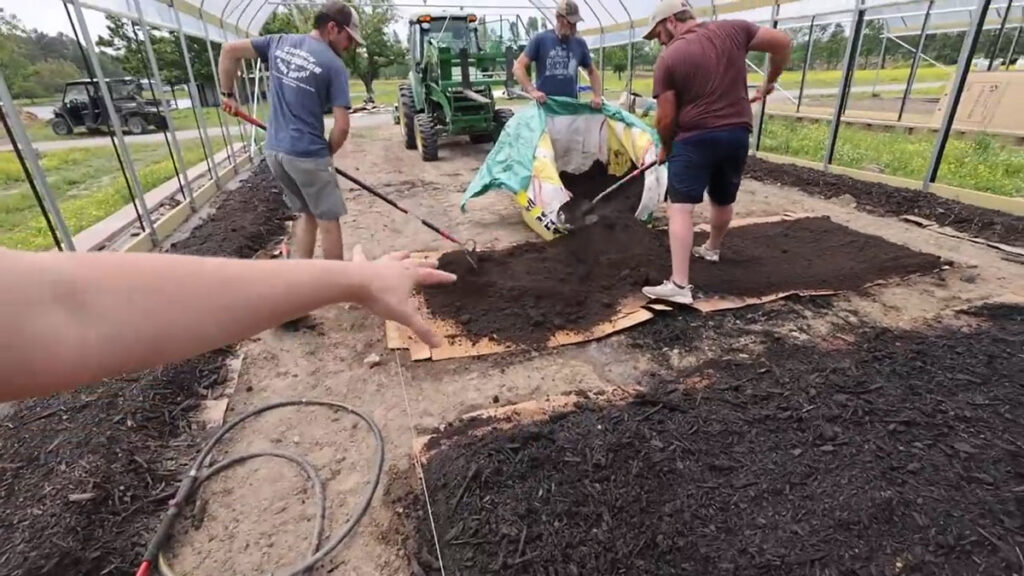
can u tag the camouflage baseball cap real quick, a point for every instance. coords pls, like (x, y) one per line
(569, 10)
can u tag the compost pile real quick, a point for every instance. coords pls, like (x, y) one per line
(525, 294)
(882, 199)
(900, 454)
(85, 476)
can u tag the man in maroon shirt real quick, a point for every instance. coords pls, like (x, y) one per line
(704, 121)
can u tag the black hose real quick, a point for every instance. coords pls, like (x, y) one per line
(30, 180)
(113, 142)
(202, 470)
(167, 140)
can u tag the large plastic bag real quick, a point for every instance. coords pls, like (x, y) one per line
(566, 136)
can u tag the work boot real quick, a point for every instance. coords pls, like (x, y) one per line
(669, 291)
(705, 253)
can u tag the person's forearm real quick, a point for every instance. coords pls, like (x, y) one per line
(595, 82)
(523, 77)
(665, 120)
(227, 70)
(69, 310)
(777, 62)
(338, 138)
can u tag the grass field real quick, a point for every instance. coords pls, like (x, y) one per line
(976, 164)
(87, 183)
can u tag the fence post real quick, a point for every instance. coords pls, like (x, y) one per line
(953, 102)
(881, 57)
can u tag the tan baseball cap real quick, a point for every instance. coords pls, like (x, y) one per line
(665, 9)
(570, 10)
(345, 16)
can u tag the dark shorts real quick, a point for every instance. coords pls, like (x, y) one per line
(711, 161)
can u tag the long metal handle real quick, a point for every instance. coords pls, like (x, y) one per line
(241, 114)
(621, 183)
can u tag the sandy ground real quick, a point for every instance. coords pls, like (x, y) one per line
(259, 516)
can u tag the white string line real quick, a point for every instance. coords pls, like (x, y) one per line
(416, 460)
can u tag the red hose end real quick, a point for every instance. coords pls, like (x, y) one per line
(143, 569)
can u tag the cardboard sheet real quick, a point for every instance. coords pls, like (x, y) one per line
(946, 231)
(632, 311)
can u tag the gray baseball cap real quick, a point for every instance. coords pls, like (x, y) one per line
(666, 9)
(570, 10)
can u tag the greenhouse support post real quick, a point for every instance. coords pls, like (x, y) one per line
(807, 63)
(881, 61)
(138, 194)
(600, 55)
(844, 86)
(999, 36)
(225, 129)
(23, 146)
(916, 63)
(159, 86)
(759, 122)
(197, 105)
(1013, 48)
(629, 52)
(959, 82)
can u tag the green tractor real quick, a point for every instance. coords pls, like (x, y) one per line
(450, 87)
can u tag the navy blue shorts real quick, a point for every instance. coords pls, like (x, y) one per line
(712, 161)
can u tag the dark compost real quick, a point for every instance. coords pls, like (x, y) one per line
(899, 454)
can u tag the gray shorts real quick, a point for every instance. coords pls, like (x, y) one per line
(310, 185)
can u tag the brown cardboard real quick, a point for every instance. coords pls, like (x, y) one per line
(991, 100)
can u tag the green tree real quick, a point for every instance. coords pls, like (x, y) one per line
(383, 48)
(50, 75)
(532, 25)
(127, 42)
(617, 60)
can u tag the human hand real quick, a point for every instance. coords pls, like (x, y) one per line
(539, 96)
(597, 103)
(762, 93)
(230, 105)
(663, 155)
(388, 291)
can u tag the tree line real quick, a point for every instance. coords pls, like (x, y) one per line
(36, 64)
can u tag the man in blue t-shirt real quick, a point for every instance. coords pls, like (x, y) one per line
(306, 76)
(559, 54)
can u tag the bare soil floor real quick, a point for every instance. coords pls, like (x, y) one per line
(257, 517)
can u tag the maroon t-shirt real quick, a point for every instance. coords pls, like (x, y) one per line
(706, 67)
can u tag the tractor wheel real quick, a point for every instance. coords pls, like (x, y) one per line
(61, 127)
(426, 137)
(481, 138)
(136, 125)
(502, 116)
(407, 115)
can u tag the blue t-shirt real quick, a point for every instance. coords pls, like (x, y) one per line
(306, 77)
(558, 62)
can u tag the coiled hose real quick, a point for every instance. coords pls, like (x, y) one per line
(202, 471)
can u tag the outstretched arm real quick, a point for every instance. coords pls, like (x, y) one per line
(73, 319)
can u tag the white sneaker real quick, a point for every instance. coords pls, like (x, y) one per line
(670, 292)
(706, 253)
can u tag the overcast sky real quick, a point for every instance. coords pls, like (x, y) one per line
(49, 16)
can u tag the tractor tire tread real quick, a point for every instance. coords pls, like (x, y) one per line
(427, 139)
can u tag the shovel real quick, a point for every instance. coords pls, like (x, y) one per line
(468, 247)
(584, 212)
